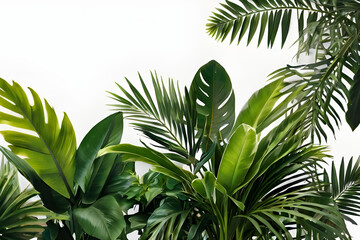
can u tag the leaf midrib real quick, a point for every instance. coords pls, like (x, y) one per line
(62, 175)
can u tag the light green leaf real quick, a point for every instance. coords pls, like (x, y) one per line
(48, 148)
(259, 105)
(237, 158)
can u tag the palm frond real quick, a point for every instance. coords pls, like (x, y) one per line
(344, 186)
(287, 200)
(169, 119)
(168, 220)
(326, 85)
(243, 17)
(19, 211)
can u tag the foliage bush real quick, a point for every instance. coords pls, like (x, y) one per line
(215, 175)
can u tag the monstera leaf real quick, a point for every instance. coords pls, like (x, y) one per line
(47, 147)
(212, 90)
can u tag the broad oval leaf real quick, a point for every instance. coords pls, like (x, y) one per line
(105, 133)
(212, 90)
(238, 157)
(48, 148)
(103, 219)
(259, 105)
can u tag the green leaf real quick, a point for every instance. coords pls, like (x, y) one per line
(239, 204)
(49, 149)
(103, 219)
(259, 105)
(160, 161)
(238, 157)
(345, 188)
(285, 26)
(19, 211)
(107, 132)
(215, 98)
(352, 114)
(167, 220)
(50, 198)
(102, 167)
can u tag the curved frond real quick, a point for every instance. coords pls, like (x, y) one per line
(288, 200)
(344, 186)
(169, 119)
(19, 211)
(253, 16)
(47, 147)
(325, 86)
(167, 221)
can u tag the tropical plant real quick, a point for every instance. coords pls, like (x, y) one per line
(344, 187)
(70, 180)
(328, 29)
(228, 161)
(19, 211)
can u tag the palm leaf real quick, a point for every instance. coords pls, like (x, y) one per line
(243, 17)
(169, 119)
(48, 148)
(167, 221)
(324, 86)
(287, 200)
(19, 212)
(161, 163)
(344, 186)
(352, 116)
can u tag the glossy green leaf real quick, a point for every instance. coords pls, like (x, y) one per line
(49, 149)
(352, 114)
(215, 99)
(50, 198)
(107, 132)
(259, 105)
(103, 219)
(238, 157)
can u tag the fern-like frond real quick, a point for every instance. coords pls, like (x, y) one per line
(287, 200)
(169, 119)
(344, 186)
(326, 85)
(244, 16)
(19, 211)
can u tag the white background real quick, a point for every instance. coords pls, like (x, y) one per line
(72, 52)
